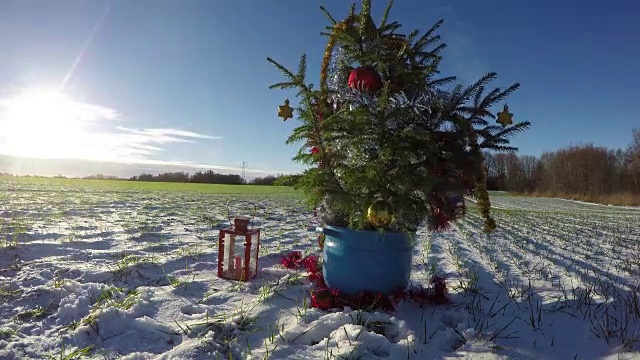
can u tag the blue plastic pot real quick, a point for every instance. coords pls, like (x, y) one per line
(356, 261)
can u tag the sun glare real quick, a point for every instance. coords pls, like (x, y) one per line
(43, 124)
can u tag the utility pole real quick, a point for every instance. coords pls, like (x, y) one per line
(244, 165)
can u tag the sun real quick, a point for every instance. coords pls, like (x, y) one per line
(42, 124)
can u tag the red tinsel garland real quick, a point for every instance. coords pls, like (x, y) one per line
(325, 298)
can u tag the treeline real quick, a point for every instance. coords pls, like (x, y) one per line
(211, 177)
(102, 177)
(207, 177)
(583, 172)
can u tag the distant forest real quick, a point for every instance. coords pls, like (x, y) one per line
(211, 177)
(207, 177)
(580, 172)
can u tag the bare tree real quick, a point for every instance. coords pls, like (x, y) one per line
(578, 170)
(633, 153)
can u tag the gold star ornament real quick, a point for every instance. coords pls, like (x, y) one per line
(505, 117)
(285, 111)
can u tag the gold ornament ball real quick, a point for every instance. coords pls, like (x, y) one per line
(380, 214)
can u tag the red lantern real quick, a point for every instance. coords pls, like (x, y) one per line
(365, 79)
(238, 248)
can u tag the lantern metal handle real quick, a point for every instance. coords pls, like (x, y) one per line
(255, 210)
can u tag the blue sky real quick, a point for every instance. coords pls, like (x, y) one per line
(186, 82)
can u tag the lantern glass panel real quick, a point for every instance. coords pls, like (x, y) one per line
(254, 257)
(239, 258)
(229, 255)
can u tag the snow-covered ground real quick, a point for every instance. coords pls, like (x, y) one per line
(132, 275)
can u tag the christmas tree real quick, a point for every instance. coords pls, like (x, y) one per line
(384, 135)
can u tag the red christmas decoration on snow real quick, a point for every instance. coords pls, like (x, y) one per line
(292, 260)
(322, 299)
(365, 79)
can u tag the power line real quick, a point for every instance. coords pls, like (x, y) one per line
(244, 165)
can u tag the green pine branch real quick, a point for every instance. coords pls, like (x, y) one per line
(385, 14)
(328, 15)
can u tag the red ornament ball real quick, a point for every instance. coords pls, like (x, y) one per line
(315, 150)
(322, 299)
(365, 79)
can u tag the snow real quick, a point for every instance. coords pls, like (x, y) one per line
(131, 274)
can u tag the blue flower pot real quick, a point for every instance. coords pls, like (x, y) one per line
(356, 261)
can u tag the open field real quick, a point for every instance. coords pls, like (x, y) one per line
(620, 199)
(65, 184)
(125, 270)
